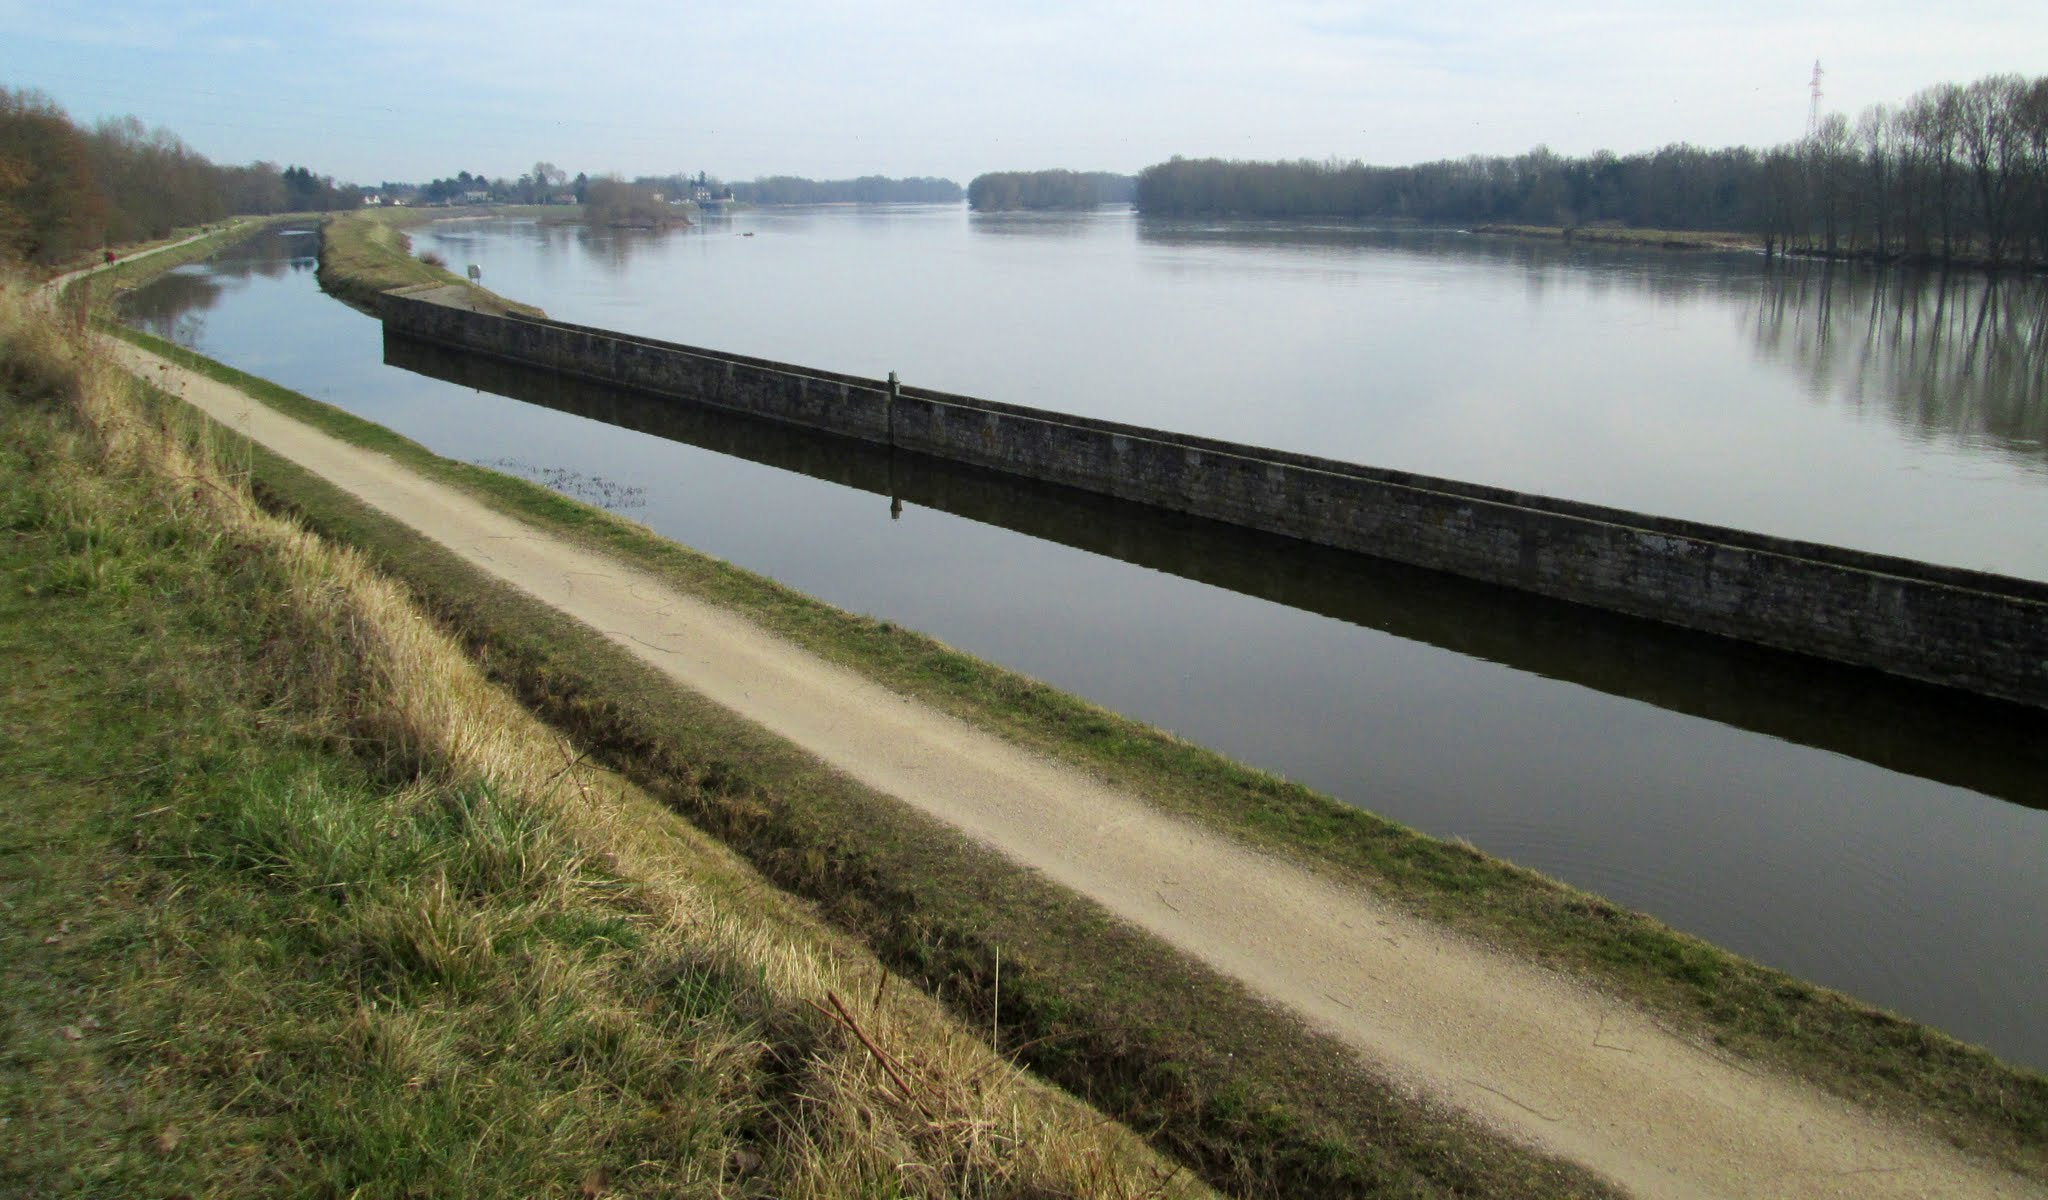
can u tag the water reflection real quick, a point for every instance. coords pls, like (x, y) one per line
(173, 307)
(1955, 355)
(1033, 224)
(1921, 897)
(611, 250)
(1540, 260)
(268, 254)
(614, 249)
(1987, 747)
(1959, 355)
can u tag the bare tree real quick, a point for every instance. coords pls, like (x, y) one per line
(1877, 132)
(2033, 140)
(1989, 135)
(1934, 122)
(1829, 168)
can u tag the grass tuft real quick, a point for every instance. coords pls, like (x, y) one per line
(300, 904)
(1843, 1045)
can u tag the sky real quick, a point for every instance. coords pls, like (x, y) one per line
(369, 91)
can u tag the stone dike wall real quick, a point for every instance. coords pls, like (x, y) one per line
(1971, 630)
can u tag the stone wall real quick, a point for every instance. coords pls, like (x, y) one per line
(1980, 632)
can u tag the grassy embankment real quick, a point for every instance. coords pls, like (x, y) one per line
(1149, 1038)
(1252, 1101)
(1603, 235)
(299, 904)
(366, 253)
(227, 229)
(102, 290)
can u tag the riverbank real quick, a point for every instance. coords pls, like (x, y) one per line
(297, 896)
(1737, 995)
(1248, 1096)
(1918, 262)
(213, 234)
(96, 287)
(365, 253)
(1601, 235)
(1685, 239)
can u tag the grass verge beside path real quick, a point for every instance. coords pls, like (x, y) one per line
(298, 904)
(145, 250)
(101, 291)
(1847, 1047)
(1252, 1100)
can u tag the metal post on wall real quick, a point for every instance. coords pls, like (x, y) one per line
(895, 501)
(895, 390)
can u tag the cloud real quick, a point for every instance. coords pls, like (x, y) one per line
(826, 86)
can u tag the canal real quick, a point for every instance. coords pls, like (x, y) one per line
(1881, 839)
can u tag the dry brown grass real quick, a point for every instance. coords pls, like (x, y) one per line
(971, 1124)
(839, 1080)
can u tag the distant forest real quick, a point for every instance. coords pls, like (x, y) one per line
(66, 189)
(868, 189)
(1958, 172)
(547, 184)
(1000, 191)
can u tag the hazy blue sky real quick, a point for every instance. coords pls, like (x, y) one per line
(370, 90)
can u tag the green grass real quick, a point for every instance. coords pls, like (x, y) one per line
(1255, 1103)
(100, 292)
(1857, 1051)
(244, 962)
(95, 257)
(130, 272)
(366, 253)
(270, 933)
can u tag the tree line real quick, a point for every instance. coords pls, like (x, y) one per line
(611, 201)
(548, 184)
(653, 200)
(868, 189)
(65, 189)
(1001, 191)
(1958, 172)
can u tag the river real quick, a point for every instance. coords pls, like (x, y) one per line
(1878, 839)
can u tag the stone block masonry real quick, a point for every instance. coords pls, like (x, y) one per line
(1971, 630)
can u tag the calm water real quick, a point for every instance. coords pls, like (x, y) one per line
(1842, 407)
(1873, 838)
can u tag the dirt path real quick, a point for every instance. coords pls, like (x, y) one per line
(1532, 1053)
(57, 285)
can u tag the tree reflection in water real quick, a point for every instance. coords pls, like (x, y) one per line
(1956, 355)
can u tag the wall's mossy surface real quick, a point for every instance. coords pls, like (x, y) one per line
(1964, 629)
